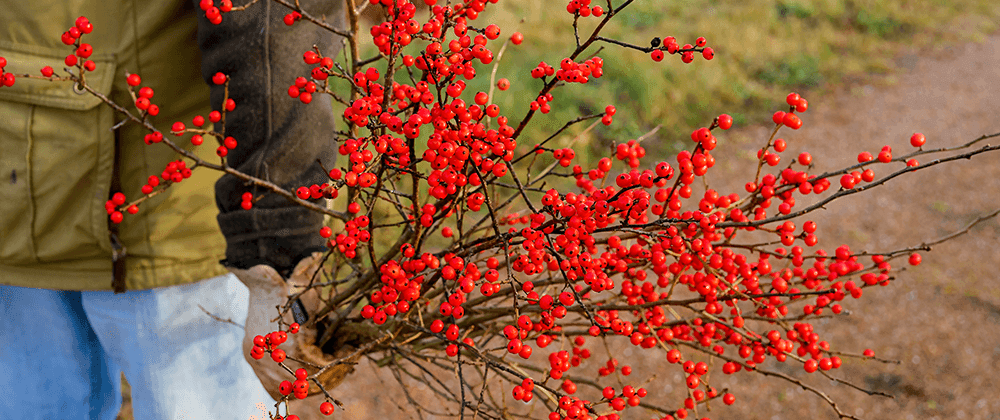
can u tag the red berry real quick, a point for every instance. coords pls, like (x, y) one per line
(725, 121)
(728, 399)
(326, 408)
(915, 259)
(278, 355)
(917, 140)
(516, 38)
(67, 38)
(778, 117)
(792, 99)
(84, 51)
(674, 356)
(792, 121)
(219, 78)
(492, 31)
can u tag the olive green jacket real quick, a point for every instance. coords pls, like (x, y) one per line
(58, 152)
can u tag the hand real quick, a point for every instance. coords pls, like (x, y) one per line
(269, 290)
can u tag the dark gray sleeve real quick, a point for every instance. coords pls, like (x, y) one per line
(279, 138)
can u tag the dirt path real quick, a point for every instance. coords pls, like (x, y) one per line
(942, 320)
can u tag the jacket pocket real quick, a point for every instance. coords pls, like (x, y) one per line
(56, 157)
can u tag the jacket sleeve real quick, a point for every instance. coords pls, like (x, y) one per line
(279, 138)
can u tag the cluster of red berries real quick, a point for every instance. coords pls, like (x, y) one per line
(262, 344)
(302, 89)
(143, 102)
(213, 13)
(790, 119)
(543, 70)
(563, 156)
(524, 392)
(573, 72)
(315, 191)
(397, 291)
(247, 201)
(670, 46)
(6, 79)
(542, 103)
(629, 396)
(111, 206)
(582, 8)
(300, 388)
(355, 232)
(362, 109)
(83, 50)
(573, 408)
(398, 32)
(176, 171)
(629, 152)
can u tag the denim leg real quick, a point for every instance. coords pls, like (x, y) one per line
(52, 365)
(180, 362)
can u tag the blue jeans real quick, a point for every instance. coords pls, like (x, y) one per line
(62, 353)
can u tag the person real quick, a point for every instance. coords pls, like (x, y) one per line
(167, 314)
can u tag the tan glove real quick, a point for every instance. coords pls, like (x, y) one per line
(269, 290)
